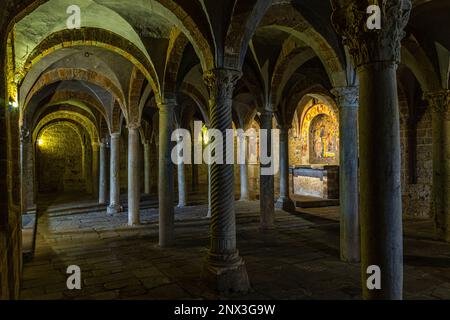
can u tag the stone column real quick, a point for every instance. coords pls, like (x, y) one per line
(147, 178)
(27, 172)
(244, 182)
(439, 103)
(102, 184)
(134, 190)
(181, 186)
(376, 54)
(95, 167)
(209, 192)
(165, 186)
(114, 183)
(347, 100)
(243, 172)
(266, 182)
(284, 202)
(224, 269)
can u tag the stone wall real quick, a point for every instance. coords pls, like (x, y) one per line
(62, 163)
(416, 192)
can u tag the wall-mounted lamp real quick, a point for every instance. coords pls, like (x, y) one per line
(40, 142)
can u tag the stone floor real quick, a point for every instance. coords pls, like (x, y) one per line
(297, 260)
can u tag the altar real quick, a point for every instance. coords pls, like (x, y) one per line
(320, 181)
(316, 173)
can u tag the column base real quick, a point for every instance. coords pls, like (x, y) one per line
(285, 204)
(113, 209)
(226, 274)
(244, 199)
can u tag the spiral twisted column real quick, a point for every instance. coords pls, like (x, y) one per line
(224, 268)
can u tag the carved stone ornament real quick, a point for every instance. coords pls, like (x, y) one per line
(378, 45)
(439, 101)
(346, 96)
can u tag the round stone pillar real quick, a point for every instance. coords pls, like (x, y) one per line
(376, 55)
(95, 167)
(102, 184)
(224, 269)
(134, 193)
(284, 202)
(266, 182)
(347, 100)
(165, 177)
(439, 103)
(243, 172)
(147, 177)
(244, 182)
(114, 184)
(181, 186)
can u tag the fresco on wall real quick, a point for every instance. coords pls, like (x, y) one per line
(320, 136)
(323, 140)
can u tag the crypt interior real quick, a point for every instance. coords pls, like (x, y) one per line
(87, 179)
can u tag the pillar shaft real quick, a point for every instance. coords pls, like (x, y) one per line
(243, 172)
(224, 268)
(165, 186)
(134, 193)
(439, 102)
(284, 202)
(376, 56)
(347, 99)
(181, 186)
(102, 184)
(114, 184)
(147, 178)
(95, 167)
(244, 182)
(266, 188)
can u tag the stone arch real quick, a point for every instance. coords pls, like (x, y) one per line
(414, 57)
(285, 17)
(291, 58)
(137, 81)
(85, 122)
(244, 21)
(94, 37)
(177, 45)
(64, 74)
(179, 14)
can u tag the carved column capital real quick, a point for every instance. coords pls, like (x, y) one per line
(221, 82)
(167, 106)
(115, 135)
(346, 96)
(439, 100)
(133, 126)
(369, 46)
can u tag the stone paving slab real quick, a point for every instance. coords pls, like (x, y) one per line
(297, 260)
